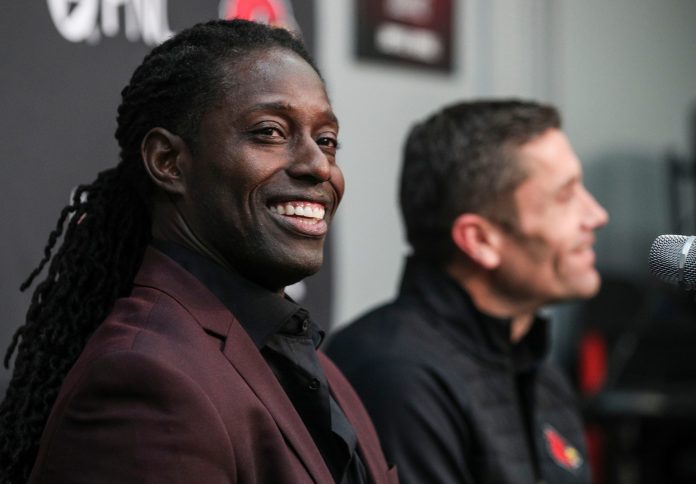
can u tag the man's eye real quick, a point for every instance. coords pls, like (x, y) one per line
(269, 131)
(565, 195)
(327, 141)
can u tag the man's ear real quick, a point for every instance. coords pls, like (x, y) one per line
(164, 154)
(478, 238)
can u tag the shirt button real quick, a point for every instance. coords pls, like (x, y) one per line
(305, 326)
(314, 384)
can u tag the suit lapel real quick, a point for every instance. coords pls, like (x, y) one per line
(161, 272)
(347, 399)
(244, 356)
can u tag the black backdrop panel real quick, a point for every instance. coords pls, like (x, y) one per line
(58, 115)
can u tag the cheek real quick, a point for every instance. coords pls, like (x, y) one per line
(540, 248)
(563, 258)
(548, 258)
(245, 167)
(338, 182)
(552, 238)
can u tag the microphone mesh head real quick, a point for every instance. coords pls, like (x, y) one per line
(665, 254)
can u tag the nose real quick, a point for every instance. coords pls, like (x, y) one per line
(310, 162)
(596, 216)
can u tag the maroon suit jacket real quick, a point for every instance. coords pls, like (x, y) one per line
(171, 389)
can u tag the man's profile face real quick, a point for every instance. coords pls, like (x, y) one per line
(549, 255)
(263, 184)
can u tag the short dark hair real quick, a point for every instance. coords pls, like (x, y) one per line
(462, 160)
(107, 225)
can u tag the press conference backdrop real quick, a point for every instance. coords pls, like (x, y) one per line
(63, 64)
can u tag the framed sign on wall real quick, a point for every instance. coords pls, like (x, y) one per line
(418, 33)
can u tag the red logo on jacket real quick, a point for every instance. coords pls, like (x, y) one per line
(563, 454)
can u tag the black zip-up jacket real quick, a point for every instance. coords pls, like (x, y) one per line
(454, 401)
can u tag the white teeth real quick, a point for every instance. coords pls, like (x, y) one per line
(299, 210)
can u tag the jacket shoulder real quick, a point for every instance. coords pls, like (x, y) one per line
(135, 406)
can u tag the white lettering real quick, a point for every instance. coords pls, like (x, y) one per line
(76, 24)
(133, 20)
(87, 20)
(417, 44)
(155, 22)
(109, 16)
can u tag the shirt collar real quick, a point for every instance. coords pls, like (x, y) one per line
(262, 313)
(482, 334)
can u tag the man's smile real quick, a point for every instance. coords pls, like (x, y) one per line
(300, 208)
(303, 216)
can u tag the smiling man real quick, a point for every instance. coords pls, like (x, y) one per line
(453, 371)
(161, 346)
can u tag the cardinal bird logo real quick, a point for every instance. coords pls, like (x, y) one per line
(274, 12)
(564, 454)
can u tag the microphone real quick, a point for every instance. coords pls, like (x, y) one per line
(673, 260)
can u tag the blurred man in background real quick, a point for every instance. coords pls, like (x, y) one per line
(453, 371)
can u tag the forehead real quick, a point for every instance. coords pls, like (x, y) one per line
(552, 168)
(273, 76)
(549, 159)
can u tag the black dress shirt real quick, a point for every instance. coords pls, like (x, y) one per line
(288, 339)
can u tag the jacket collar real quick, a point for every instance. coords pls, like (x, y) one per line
(455, 314)
(162, 273)
(261, 312)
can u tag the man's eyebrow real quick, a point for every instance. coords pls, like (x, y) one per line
(287, 107)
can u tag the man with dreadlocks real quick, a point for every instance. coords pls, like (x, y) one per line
(160, 347)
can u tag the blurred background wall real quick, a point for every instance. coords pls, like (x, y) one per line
(623, 74)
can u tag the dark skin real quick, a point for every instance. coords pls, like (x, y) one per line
(257, 191)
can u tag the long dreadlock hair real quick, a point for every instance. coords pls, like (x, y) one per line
(107, 224)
